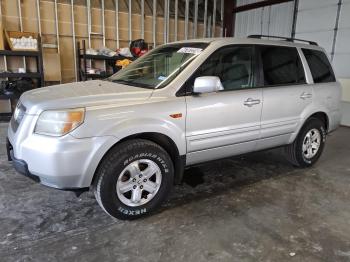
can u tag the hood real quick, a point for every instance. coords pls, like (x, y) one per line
(82, 94)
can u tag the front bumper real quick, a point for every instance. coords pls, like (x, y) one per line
(64, 163)
(22, 168)
(19, 165)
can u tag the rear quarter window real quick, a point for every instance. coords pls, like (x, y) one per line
(320, 67)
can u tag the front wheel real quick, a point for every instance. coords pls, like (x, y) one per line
(308, 146)
(133, 179)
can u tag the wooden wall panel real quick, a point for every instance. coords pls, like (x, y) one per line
(30, 23)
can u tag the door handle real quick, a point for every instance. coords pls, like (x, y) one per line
(250, 102)
(305, 95)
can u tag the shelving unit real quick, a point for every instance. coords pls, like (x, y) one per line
(82, 58)
(39, 63)
(39, 75)
(19, 75)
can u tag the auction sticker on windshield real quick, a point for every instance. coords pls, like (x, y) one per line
(190, 50)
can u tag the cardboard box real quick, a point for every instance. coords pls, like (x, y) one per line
(16, 34)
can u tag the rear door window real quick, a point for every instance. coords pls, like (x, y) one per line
(320, 67)
(281, 66)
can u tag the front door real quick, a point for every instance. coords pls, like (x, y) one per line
(227, 122)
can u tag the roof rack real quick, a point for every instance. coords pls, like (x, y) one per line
(283, 38)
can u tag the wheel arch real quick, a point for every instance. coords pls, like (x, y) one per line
(294, 150)
(321, 115)
(162, 140)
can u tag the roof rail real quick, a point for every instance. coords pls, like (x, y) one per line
(289, 39)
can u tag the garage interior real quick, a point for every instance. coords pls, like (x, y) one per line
(255, 207)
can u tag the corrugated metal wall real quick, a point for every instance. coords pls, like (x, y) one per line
(342, 44)
(328, 23)
(318, 19)
(324, 21)
(342, 57)
(270, 20)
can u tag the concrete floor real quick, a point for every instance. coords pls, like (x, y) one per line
(252, 208)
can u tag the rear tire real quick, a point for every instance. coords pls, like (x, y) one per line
(133, 179)
(308, 145)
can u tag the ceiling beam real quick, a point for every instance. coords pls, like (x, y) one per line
(256, 5)
(229, 18)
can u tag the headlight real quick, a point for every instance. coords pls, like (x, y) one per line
(59, 122)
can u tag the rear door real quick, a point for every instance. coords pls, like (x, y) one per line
(285, 93)
(227, 122)
(327, 91)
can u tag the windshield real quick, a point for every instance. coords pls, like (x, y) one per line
(159, 67)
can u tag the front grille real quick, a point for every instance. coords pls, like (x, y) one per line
(17, 116)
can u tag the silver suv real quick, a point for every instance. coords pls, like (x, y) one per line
(130, 137)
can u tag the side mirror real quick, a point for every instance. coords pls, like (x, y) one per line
(207, 84)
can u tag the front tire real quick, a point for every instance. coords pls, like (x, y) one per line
(308, 145)
(133, 179)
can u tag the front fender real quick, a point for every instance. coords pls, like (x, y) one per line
(174, 129)
(131, 127)
(151, 116)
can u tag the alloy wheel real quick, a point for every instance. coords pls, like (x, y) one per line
(139, 182)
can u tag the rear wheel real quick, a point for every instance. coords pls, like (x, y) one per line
(308, 146)
(133, 179)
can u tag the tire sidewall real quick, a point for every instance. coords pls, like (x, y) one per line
(311, 124)
(109, 198)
